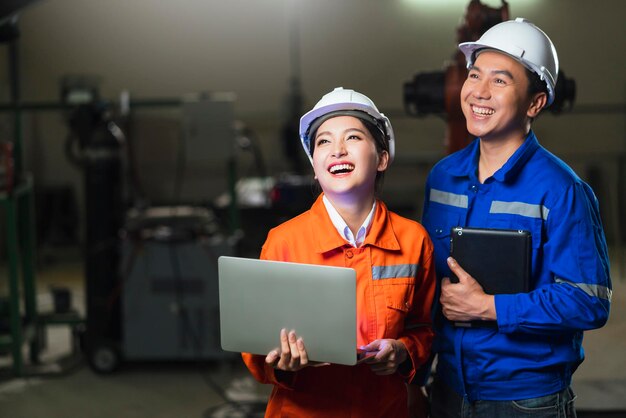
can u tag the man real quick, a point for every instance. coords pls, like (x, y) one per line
(505, 180)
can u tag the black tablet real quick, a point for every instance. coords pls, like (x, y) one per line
(499, 259)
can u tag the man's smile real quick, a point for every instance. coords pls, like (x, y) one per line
(482, 111)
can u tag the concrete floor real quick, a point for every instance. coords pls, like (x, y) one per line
(224, 389)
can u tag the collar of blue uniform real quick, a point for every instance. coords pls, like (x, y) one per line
(466, 163)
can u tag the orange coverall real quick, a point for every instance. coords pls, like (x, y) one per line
(395, 289)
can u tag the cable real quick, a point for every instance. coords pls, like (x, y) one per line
(180, 169)
(247, 140)
(186, 324)
(229, 408)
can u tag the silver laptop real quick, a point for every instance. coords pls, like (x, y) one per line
(258, 298)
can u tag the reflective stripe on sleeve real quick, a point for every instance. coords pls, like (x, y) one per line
(395, 271)
(594, 290)
(520, 208)
(447, 198)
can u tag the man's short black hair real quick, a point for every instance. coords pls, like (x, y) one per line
(535, 83)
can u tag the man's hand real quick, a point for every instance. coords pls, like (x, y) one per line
(465, 300)
(390, 354)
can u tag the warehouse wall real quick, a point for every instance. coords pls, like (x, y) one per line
(158, 49)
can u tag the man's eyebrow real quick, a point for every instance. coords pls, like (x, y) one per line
(504, 72)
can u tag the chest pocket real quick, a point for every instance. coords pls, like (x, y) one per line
(394, 286)
(399, 301)
(519, 215)
(533, 225)
(438, 222)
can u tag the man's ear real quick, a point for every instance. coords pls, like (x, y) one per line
(537, 103)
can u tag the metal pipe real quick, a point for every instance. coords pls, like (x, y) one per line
(14, 81)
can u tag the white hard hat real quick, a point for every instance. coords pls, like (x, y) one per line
(524, 42)
(347, 102)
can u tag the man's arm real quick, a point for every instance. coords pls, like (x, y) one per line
(574, 285)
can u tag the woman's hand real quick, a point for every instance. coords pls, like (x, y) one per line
(292, 355)
(390, 354)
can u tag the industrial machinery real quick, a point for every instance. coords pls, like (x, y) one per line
(438, 92)
(170, 303)
(150, 272)
(94, 146)
(169, 294)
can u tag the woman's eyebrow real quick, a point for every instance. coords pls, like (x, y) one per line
(344, 132)
(354, 129)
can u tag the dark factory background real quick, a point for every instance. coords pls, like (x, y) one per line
(131, 128)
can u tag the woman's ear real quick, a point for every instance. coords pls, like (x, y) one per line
(383, 161)
(537, 103)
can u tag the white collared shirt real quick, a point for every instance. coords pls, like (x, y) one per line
(342, 226)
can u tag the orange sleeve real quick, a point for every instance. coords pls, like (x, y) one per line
(266, 374)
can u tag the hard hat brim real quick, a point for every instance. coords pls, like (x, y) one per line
(308, 118)
(470, 50)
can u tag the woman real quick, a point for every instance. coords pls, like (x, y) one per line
(350, 145)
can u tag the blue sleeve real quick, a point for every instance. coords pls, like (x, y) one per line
(574, 286)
